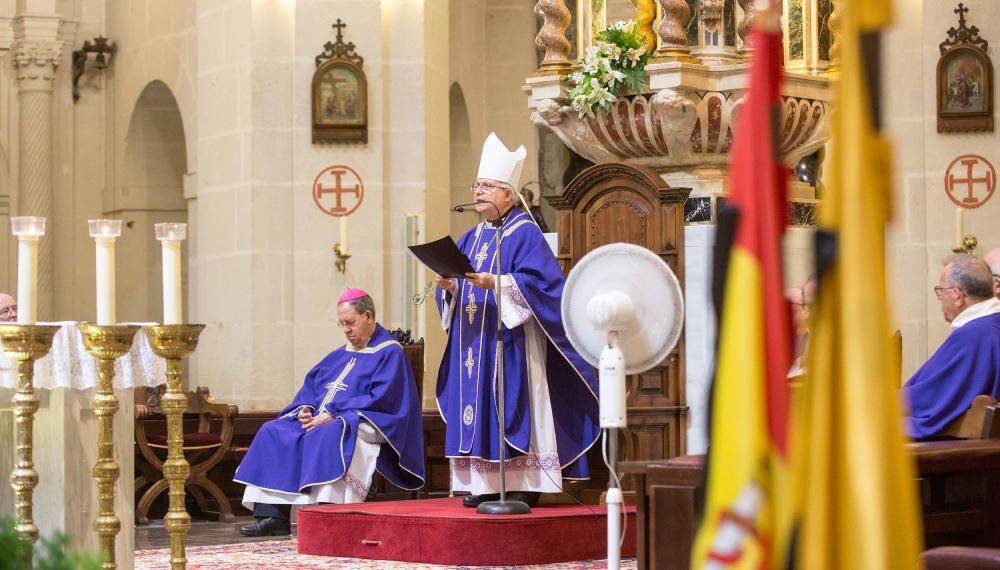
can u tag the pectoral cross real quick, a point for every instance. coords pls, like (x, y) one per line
(481, 256)
(471, 308)
(469, 362)
(337, 385)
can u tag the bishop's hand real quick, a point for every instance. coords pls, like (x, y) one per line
(482, 280)
(304, 416)
(446, 283)
(323, 418)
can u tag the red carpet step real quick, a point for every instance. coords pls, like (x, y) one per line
(442, 531)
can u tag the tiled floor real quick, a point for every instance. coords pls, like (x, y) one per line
(202, 533)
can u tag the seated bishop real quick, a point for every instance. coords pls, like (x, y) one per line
(357, 411)
(967, 364)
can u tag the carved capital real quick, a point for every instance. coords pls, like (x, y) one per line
(36, 60)
(551, 39)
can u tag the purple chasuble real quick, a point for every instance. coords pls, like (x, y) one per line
(966, 365)
(467, 380)
(376, 384)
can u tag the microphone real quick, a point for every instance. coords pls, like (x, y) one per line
(462, 208)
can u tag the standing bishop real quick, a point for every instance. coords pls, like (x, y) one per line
(550, 391)
(357, 411)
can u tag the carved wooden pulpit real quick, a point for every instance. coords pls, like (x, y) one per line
(610, 203)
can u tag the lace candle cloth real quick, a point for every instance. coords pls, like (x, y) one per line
(68, 365)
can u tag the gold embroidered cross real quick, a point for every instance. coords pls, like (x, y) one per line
(471, 308)
(481, 256)
(469, 362)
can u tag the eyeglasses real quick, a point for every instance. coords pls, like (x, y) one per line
(487, 187)
(8, 312)
(938, 289)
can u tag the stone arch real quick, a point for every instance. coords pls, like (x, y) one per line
(150, 190)
(462, 159)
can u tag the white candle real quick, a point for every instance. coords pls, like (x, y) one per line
(170, 236)
(104, 233)
(343, 236)
(29, 230)
(959, 229)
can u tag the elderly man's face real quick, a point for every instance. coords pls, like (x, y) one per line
(358, 328)
(498, 193)
(952, 298)
(8, 309)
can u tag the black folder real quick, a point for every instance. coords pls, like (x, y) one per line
(443, 257)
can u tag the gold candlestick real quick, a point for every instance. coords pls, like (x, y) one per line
(26, 343)
(969, 244)
(107, 344)
(174, 342)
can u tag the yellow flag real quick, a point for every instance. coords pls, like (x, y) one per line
(855, 481)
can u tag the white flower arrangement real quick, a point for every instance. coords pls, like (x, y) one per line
(615, 63)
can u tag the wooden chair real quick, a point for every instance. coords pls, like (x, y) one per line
(981, 421)
(203, 448)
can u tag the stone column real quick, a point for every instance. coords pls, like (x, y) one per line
(672, 30)
(645, 13)
(35, 65)
(743, 28)
(552, 37)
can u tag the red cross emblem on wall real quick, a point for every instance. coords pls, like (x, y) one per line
(970, 181)
(338, 191)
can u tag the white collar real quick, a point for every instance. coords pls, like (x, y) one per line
(981, 309)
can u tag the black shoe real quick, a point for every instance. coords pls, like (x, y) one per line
(529, 498)
(473, 501)
(267, 526)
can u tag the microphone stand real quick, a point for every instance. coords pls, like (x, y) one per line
(503, 506)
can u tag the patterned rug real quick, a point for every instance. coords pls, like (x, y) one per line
(282, 554)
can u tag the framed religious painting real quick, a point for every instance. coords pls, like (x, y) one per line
(339, 94)
(964, 81)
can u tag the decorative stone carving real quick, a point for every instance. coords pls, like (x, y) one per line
(670, 129)
(551, 37)
(672, 29)
(834, 24)
(645, 13)
(37, 61)
(744, 28)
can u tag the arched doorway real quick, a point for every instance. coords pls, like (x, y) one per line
(462, 159)
(151, 190)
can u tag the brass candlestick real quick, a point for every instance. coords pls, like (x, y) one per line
(174, 342)
(969, 244)
(107, 344)
(342, 257)
(26, 343)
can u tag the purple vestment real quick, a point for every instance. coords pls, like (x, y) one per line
(966, 365)
(374, 384)
(466, 378)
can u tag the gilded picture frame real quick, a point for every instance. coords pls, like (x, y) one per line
(339, 94)
(964, 80)
(964, 90)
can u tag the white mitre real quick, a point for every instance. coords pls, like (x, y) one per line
(498, 163)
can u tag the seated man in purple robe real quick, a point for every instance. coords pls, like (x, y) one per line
(550, 391)
(357, 411)
(967, 364)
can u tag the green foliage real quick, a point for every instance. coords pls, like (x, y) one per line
(49, 554)
(614, 65)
